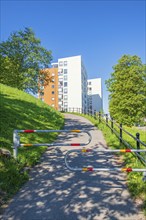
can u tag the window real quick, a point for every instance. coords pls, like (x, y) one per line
(41, 81)
(60, 83)
(65, 104)
(89, 83)
(65, 97)
(53, 92)
(52, 105)
(52, 99)
(65, 71)
(65, 90)
(60, 90)
(65, 77)
(53, 80)
(60, 78)
(60, 71)
(60, 63)
(53, 86)
(65, 84)
(53, 74)
(41, 93)
(41, 87)
(65, 63)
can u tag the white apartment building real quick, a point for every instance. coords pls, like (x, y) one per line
(69, 88)
(95, 95)
(72, 83)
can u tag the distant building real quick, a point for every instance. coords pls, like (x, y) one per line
(68, 89)
(95, 95)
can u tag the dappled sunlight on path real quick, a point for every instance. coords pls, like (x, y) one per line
(55, 193)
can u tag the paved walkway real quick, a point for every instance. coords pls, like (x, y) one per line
(55, 193)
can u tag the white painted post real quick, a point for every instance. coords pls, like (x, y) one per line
(16, 142)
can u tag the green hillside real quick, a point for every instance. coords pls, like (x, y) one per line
(20, 110)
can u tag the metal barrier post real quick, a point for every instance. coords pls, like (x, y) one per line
(112, 125)
(137, 141)
(121, 133)
(94, 114)
(106, 119)
(16, 141)
(99, 114)
(90, 168)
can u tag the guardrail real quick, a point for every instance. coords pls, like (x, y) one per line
(90, 168)
(111, 123)
(17, 144)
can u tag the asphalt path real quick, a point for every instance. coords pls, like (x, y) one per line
(55, 193)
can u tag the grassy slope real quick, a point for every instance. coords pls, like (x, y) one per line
(20, 110)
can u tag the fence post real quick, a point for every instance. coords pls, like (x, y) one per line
(94, 114)
(121, 133)
(106, 119)
(99, 114)
(137, 141)
(112, 125)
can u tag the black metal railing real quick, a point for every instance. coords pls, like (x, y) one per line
(115, 128)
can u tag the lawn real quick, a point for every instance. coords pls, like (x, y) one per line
(20, 110)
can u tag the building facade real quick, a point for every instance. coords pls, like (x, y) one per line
(50, 93)
(69, 88)
(72, 79)
(95, 95)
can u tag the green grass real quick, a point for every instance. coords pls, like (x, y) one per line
(135, 184)
(20, 110)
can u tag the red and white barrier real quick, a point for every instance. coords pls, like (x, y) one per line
(17, 144)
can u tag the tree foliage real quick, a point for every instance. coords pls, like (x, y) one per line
(22, 57)
(127, 87)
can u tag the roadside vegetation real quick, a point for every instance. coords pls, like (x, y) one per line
(136, 185)
(20, 110)
(127, 88)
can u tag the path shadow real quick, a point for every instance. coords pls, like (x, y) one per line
(55, 193)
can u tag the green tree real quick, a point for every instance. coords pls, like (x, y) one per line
(127, 87)
(9, 72)
(25, 57)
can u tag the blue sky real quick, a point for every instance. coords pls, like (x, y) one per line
(100, 31)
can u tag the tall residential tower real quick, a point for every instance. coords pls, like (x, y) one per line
(68, 88)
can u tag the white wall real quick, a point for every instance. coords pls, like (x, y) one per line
(74, 80)
(96, 93)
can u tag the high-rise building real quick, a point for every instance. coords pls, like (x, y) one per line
(68, 89)
(72, 77)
